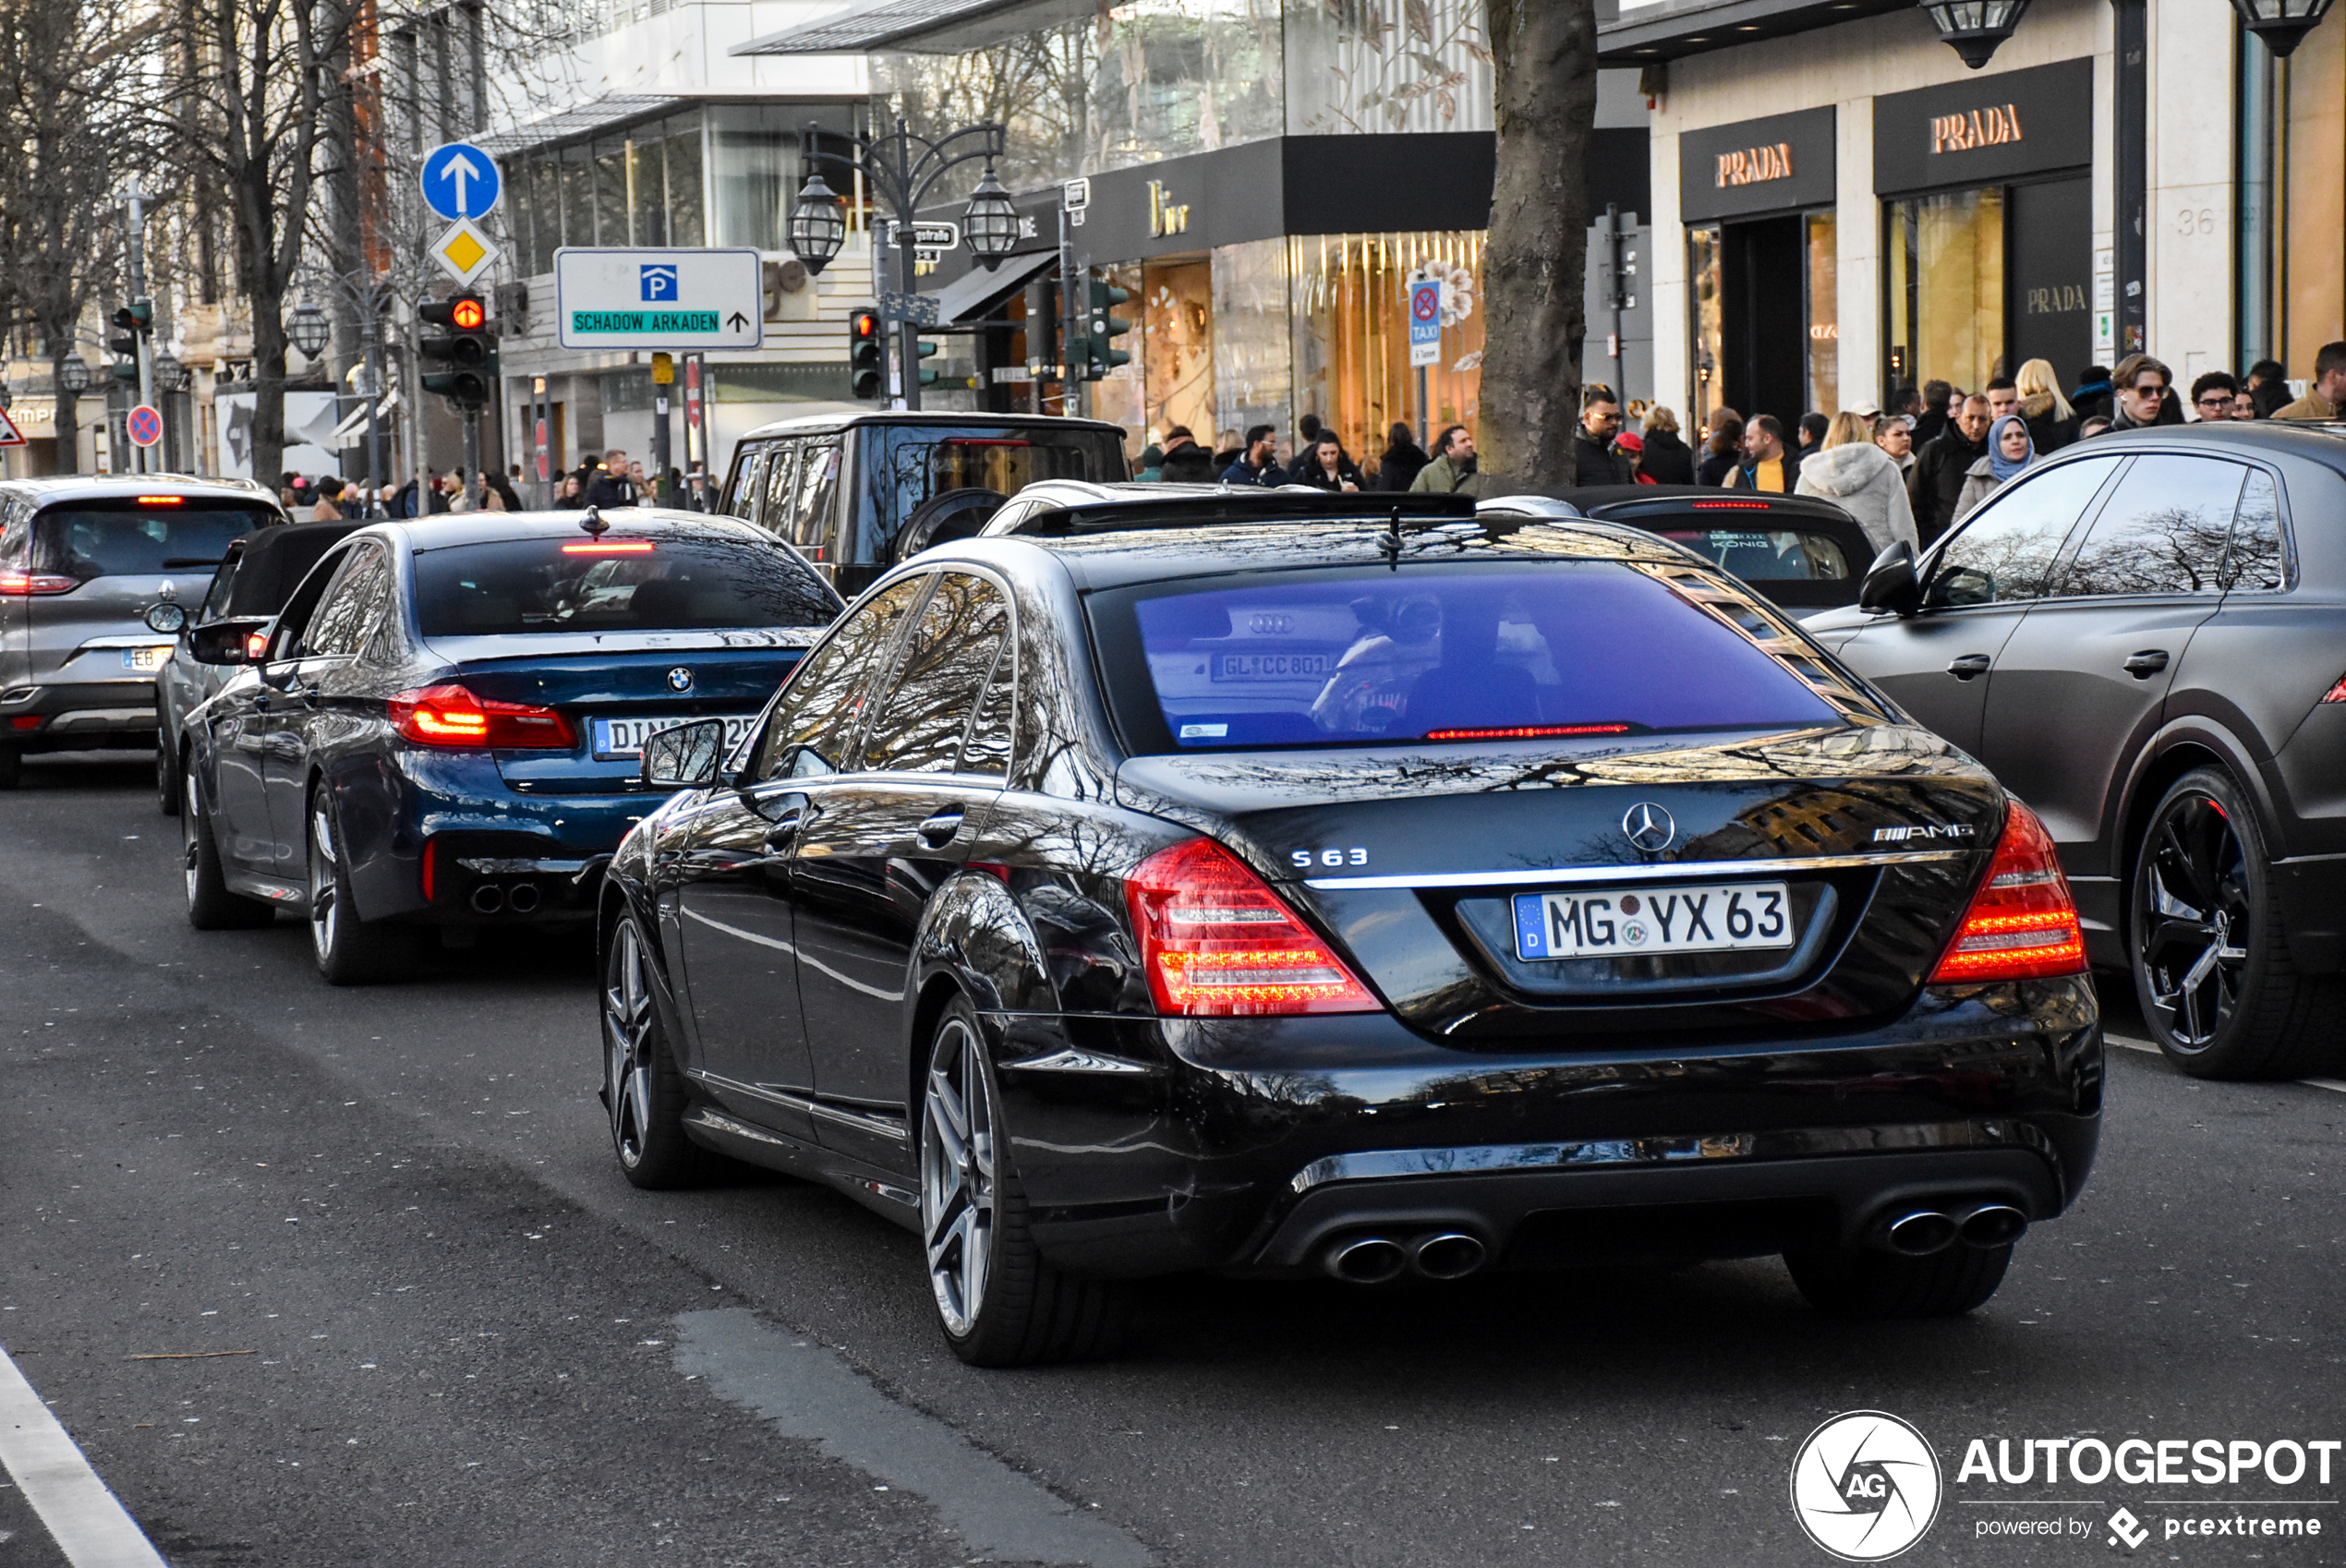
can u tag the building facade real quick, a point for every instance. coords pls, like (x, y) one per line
(1842, 207)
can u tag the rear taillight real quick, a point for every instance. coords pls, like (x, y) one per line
(2022, 924)
(24, 582)
(451, 716)
(1217, 943)
(430, 869)
(2336, 693)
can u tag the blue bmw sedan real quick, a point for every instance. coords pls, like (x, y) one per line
(441, 728)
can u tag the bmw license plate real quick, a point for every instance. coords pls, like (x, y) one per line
(146, 660)
(617, 738)
(1720, 918)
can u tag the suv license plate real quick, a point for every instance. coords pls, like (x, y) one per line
(619, 738)
(1716, 918)
(147, 660)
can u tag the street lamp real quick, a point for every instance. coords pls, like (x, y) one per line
(170, 375)
(309, 330)
(1974, 28)
(73, 374)
(2282, 24)
(818, 224)
(991, 222)
(900, 168)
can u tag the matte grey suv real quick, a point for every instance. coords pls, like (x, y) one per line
(82, 561)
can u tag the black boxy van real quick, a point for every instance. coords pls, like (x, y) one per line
(852, 491)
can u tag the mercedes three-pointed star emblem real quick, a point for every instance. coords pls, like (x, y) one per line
(1649, 827)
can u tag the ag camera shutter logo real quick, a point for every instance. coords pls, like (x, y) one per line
(1865, 1486)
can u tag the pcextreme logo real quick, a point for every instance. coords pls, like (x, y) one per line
(1865, 1486)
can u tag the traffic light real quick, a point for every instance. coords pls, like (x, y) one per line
(463, 345)
(930, 377)
(867, 355)
(131, 322)
(1102, 329)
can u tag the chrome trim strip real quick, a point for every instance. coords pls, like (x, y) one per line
(1385, 1164)
(1070, 1059)
(1672, 870)
(863, 1121)
(491, 867)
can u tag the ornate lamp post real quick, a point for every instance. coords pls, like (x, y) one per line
(172, 377)
(73, 379)
(309, 330)
(2282, 24)
(73, 374)
(902, 169)
(1974, 28)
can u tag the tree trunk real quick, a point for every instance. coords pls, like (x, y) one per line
(62, 424)
(268, 385)
(1545, 57)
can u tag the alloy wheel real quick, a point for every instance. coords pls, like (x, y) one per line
(628, 1044)
(2192, 930)
(957, 1175)
(325, 914)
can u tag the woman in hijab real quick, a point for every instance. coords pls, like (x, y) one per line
(2009, 452)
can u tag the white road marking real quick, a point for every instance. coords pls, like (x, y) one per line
(2335, 1084)
(808, 1392)
(82, 1516)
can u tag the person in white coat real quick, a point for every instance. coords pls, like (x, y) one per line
(1863, 480)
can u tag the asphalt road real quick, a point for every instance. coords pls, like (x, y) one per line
(458, 1336)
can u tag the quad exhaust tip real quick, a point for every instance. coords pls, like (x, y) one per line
(488, 898)
(1380, 1260)
(520, 899)
(1921, 1232)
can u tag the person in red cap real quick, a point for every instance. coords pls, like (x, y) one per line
(1632, 446)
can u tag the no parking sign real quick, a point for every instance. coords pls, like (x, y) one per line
(1425, 323)
(144, 425)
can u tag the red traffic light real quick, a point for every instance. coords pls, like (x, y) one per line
(465, 314)
(867, 324)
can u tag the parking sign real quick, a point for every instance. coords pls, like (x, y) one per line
(1425, 323)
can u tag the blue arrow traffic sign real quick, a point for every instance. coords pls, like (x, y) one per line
(460, 181)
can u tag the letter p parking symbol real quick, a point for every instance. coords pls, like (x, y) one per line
(659, 283)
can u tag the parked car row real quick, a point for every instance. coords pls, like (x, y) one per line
(1136, 879)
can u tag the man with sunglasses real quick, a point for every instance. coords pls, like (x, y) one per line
(2212, 395)
(2141, 383)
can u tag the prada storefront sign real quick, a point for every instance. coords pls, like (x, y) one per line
(1985, 130)
(1779, 164)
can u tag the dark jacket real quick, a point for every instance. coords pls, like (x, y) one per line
(1312, 473)
(608, 488)
(1188, 464)
(1594, 464)
(2048, 433)
(1930, 426)
(1746, 472)
(2092, 398)
(1715, 467)
(1270, 475)
(1938, 481)
(1401, 466)
(504, 489)
(1669, 460)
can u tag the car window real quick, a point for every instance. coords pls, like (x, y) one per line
(749, 479)
(2255, 559)
(810, 520)
(294, 619)
(134, 537)
(224, 583)
(941, 672)
(823, 703)
(921, 462)
(16, 538)
(2162, 531)
(2006, 550)
(987, 747)
(1760, 554)
(781, 482)
(1464, 652)
(613, 583)
(352, 605)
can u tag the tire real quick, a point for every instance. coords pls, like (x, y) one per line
(167, 773)
(349, 952)
(1867, 1283)
(211, 905)
(11, 768)
(643, 1088)
(997, 1303)
(2205, 940)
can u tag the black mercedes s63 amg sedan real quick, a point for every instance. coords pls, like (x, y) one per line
(1383, 898)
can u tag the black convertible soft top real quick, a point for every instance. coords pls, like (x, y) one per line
(272, 562)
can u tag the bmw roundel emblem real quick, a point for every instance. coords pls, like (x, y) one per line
(1649, 827)
(680, 679)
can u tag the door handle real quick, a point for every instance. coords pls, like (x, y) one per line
(1968, 666)
(940, 829)
(2146, 664)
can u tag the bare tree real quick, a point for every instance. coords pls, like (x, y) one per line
(1545, 57)
(63, 63)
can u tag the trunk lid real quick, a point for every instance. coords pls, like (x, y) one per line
(1415, 862)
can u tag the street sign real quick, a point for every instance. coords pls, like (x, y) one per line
(918, 308)
(9, 434)
(143, 424)
(1425, 323)
(460, 181)
(928, 238)
(464, 252)
(667, 299)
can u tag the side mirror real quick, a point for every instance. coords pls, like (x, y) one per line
(166, 618)
(684, 756)
(237, 641)
(1890, 586)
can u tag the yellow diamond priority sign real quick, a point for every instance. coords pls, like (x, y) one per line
(464, 252)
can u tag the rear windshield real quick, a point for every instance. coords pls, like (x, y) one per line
(927, 462)
(1464, 652)
(614, 585)
(116, 538)
(1762, 554)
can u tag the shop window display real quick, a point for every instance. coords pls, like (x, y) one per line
(1351, 335)
(1946, 286)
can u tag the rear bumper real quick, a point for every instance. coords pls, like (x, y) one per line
(2312, 889)
(1253, 1144)
(82, 715)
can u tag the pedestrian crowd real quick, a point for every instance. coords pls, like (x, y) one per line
(613, 480)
